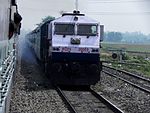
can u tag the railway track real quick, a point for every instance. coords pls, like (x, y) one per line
(139, 82)
(81, 101)
(124, 62)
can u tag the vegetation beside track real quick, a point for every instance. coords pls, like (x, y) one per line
(142, 60)
(128, 47)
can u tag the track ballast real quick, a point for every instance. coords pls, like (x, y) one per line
(86, 100)
(130, 78)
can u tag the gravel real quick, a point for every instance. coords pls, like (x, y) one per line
(125, 96)
(85, 102)
(32, 92)
(132, 79)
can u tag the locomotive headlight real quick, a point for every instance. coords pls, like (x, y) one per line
(95, 50)
(56, 49)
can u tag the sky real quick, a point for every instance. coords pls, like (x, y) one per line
(115, 15)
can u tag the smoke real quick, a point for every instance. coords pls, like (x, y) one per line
(25, 52)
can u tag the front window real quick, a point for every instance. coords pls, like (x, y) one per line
(64, 29)
(87, 30)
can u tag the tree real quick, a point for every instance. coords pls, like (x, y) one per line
(46, 19)
(113, 37)
(135, 37)
(127, 37)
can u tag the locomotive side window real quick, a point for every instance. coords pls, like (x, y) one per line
(87, 30)
(64, 29)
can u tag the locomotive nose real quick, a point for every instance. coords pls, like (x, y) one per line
(56, 68)
(75, 68)
(93, 69)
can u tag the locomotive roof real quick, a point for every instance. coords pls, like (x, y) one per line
(70, 19)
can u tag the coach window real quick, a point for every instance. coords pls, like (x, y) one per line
(87, 30)
(64, 29)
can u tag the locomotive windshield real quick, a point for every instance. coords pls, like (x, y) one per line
(87, 30)
(64, 29)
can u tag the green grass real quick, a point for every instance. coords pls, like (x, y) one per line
(133, 68)
(130, 57)
(128, 47)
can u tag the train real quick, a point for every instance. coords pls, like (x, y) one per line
(68, 48)
(10, 24)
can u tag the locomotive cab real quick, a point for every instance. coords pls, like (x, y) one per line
(74, 49)
(75, 37)
(69, 49)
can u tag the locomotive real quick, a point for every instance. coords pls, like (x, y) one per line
(10, 23)
(68, 48)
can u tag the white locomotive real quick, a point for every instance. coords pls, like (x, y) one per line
(69, 48)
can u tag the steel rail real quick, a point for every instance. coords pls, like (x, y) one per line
(118, 50)
(135, 85)
(126, 63)
(66, 100)
(96, 95)
(110, 105)
(129, 73)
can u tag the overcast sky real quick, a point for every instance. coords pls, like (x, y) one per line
(116, 15)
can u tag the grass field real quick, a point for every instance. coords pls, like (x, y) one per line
(128, 47)
(130, 57)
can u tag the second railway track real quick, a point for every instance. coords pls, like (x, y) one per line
(86, 101)
(132, 79)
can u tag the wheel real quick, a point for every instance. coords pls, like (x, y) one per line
(93, 69)
(46, 68)
(56, 68)
(75, 68)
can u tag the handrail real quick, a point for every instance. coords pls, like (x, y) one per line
(6, 76)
